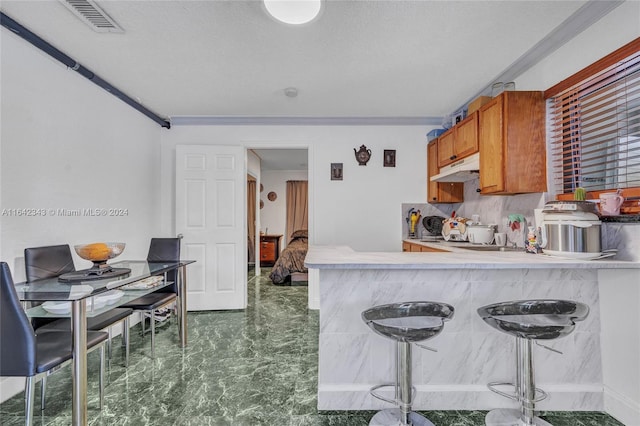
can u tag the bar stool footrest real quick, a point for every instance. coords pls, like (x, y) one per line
(542, 394)
(512, 396)
(375, 394)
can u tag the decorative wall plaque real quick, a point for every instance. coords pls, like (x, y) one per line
(272, 196)
(336, 171)
(363, 155)
(389, 158)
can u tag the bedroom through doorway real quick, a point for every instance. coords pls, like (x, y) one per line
(278, 214)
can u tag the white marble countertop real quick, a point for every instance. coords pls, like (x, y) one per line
(343, 257)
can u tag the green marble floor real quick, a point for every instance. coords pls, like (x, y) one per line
(251, 367)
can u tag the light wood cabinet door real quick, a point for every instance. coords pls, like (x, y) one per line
(432, 170)
(426, 249)
(491, 148)
(445, 148)
(440, 192)
(459, 142)
(419, 248)
(466, 137)
(512, 144)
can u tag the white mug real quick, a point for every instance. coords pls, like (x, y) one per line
(501, 238)
(610, 203)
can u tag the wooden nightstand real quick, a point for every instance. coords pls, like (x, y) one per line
(269, 249)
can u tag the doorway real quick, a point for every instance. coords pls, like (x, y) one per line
(273, 167)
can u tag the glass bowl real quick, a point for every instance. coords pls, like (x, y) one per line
(99, 252)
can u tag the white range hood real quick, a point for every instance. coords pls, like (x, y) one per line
(459, 171)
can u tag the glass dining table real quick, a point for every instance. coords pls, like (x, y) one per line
(78, 293)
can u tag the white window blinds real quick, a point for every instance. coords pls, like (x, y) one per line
(595, 129)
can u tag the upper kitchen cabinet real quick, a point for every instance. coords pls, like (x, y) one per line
(512, 144)
(440, 192)
(459, 142)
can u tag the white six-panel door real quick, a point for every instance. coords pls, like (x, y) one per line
(210, 214)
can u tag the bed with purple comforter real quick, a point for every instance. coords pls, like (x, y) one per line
(292, 258)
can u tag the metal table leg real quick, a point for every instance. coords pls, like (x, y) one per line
(182, 305)
(79, 331)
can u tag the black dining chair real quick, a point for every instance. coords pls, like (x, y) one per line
(160, 250)
(25, 353)
(52, 261)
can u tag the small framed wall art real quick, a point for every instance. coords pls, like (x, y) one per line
(336, 171)
(389, 158)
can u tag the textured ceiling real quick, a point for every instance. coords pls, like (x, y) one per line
(358, 59)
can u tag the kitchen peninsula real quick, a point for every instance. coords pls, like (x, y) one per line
(470, 353)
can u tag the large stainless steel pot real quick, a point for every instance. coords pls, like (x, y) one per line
(571, 229)
(572, 236)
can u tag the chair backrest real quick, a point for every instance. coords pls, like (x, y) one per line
(17, 339)
(165, 250)
(47, 262)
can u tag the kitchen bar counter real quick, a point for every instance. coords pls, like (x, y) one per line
(343, 257)
(470, 353)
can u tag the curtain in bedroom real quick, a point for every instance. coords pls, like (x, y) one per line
(297, 207)
(251, 220)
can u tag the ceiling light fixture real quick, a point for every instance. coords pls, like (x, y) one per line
(293, 12)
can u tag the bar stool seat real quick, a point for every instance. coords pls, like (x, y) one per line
(528, 321)
(406, 323)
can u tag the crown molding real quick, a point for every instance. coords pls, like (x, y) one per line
(303, 121)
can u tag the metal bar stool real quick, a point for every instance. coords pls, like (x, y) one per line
(528, 321)
(406, 323)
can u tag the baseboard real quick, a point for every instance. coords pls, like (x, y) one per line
(459, 397)
(621, 407)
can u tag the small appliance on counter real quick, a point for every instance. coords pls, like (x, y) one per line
(433, 224)
(455, 229)
(572, 229)
(481, 234)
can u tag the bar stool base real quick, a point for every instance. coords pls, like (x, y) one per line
(391, 417)
(509, 417)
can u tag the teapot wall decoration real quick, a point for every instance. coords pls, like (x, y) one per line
(363, 155)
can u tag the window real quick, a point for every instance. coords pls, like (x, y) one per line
(595, 125)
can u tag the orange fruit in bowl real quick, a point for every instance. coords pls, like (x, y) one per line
(95, 252)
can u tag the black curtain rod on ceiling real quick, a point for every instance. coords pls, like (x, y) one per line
(41, 44)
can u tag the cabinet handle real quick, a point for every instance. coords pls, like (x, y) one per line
(453, 157)
(434, 198)
(478, 190)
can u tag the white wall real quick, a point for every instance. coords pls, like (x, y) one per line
(362, 210)
(273, 217)
(67, 144)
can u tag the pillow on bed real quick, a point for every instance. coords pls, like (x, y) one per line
(300, 233)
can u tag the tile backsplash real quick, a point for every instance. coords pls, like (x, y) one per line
(492, 209)
(495, 209)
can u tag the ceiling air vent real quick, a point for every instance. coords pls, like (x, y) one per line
(91, 14)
